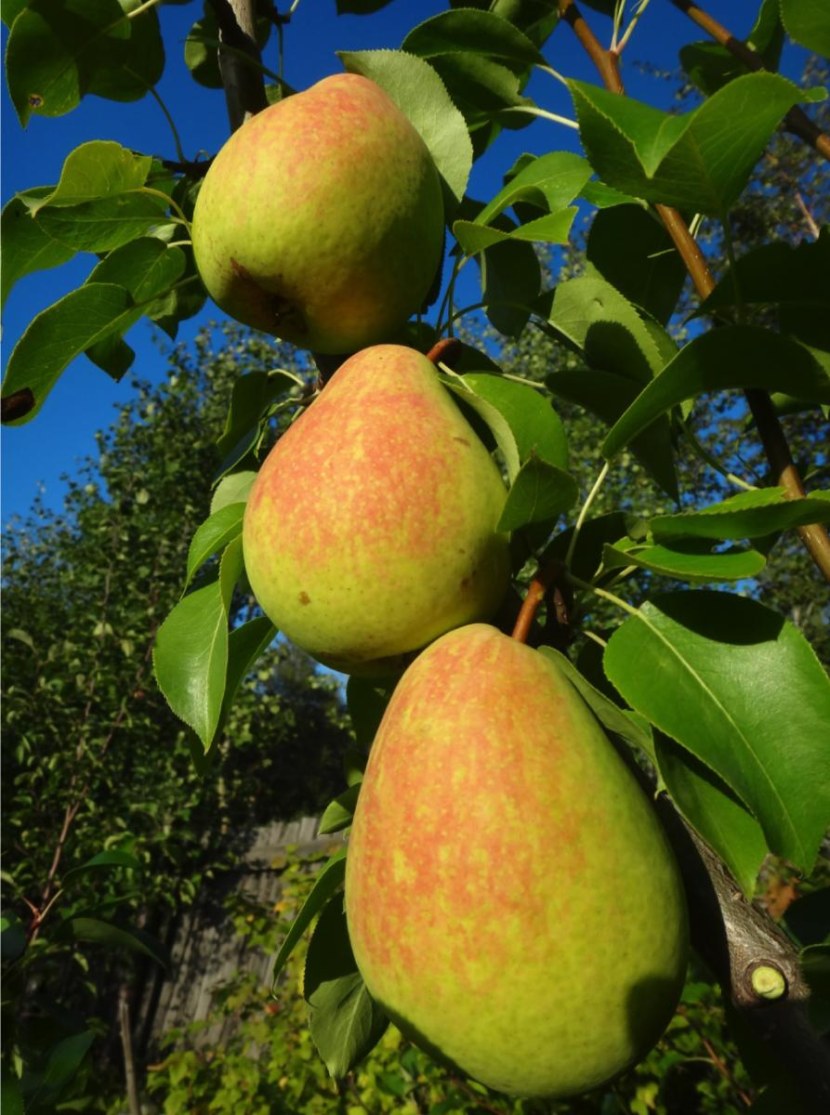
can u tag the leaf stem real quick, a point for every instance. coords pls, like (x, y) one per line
(168, 116)
(586, 506)
(145, 7)
(543, 113)
(174, 205)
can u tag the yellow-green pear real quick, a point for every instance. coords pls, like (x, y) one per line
(371, 526)
(511, 899)
(321, 219)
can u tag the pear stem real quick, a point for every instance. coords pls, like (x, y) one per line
(549, 577)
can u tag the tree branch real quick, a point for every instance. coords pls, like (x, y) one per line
(815, 538)
(244, 87)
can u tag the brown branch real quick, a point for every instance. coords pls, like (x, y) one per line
(784, 473)
(244, 87)
(550, 579)
(796, 121)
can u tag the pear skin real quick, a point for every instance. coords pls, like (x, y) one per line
(321, 219)
(512, 901)
(371, 527)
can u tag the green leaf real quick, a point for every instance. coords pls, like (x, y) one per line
(367, 701)
(549, 182)
(632, 250)
(338, 813)
(146, 267)
(250, 397)
(553, 229)
(213, 535)
(493, 418)
(63, 1062)
(101, 932)
(482, 89)
(104, 861)
(190, 656)
(699, 161)
(26, 246)
(418, 92)
(736, 356)
(745, 515)
(806, 21)
(741, 689)
(12, 938)
(101, 226)
(714, 812)
(60, 333)
(11, 1097)
(329, 878)
(59, 51)
(690, 561)
(95, 170)
(539, 493)
(594, 318)
(479, 32)
(510, 282)
(621, 722)
(344, 1020)
(245, 644)
(608, 396)
(536, 427)
(232, 489)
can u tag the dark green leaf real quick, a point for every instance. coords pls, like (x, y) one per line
(250, 397)
(64, 1060)
(632, 250)
(699, 161)
(338, 814)
(344, 1020)
(539, 493)
(553, 229)
(690, 561)
(12, 938)
(62, 50)
(213, 535)
(245, 644)
(60, 333)
(479, 32)
(608, 396)
(622, 722)
(26, 246)
(536, 427)
(190, 656)
(806, 21)
(510, 281)
(106, 861)
(740, 688)
(736, 356)
(713, 812)
(329, 879)
(367, 701)
(593, 535)
(548, 182)
(594, 318)
(117, 937)
(745, 515)
(418, 92)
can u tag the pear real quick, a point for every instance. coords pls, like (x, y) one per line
(321, 219)
(511, 899)
(371, 527)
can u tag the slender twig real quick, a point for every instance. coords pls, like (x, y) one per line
(815, 538)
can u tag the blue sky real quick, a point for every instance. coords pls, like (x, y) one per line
(84, 398)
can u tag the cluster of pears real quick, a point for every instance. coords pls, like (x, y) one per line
(511, 900)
